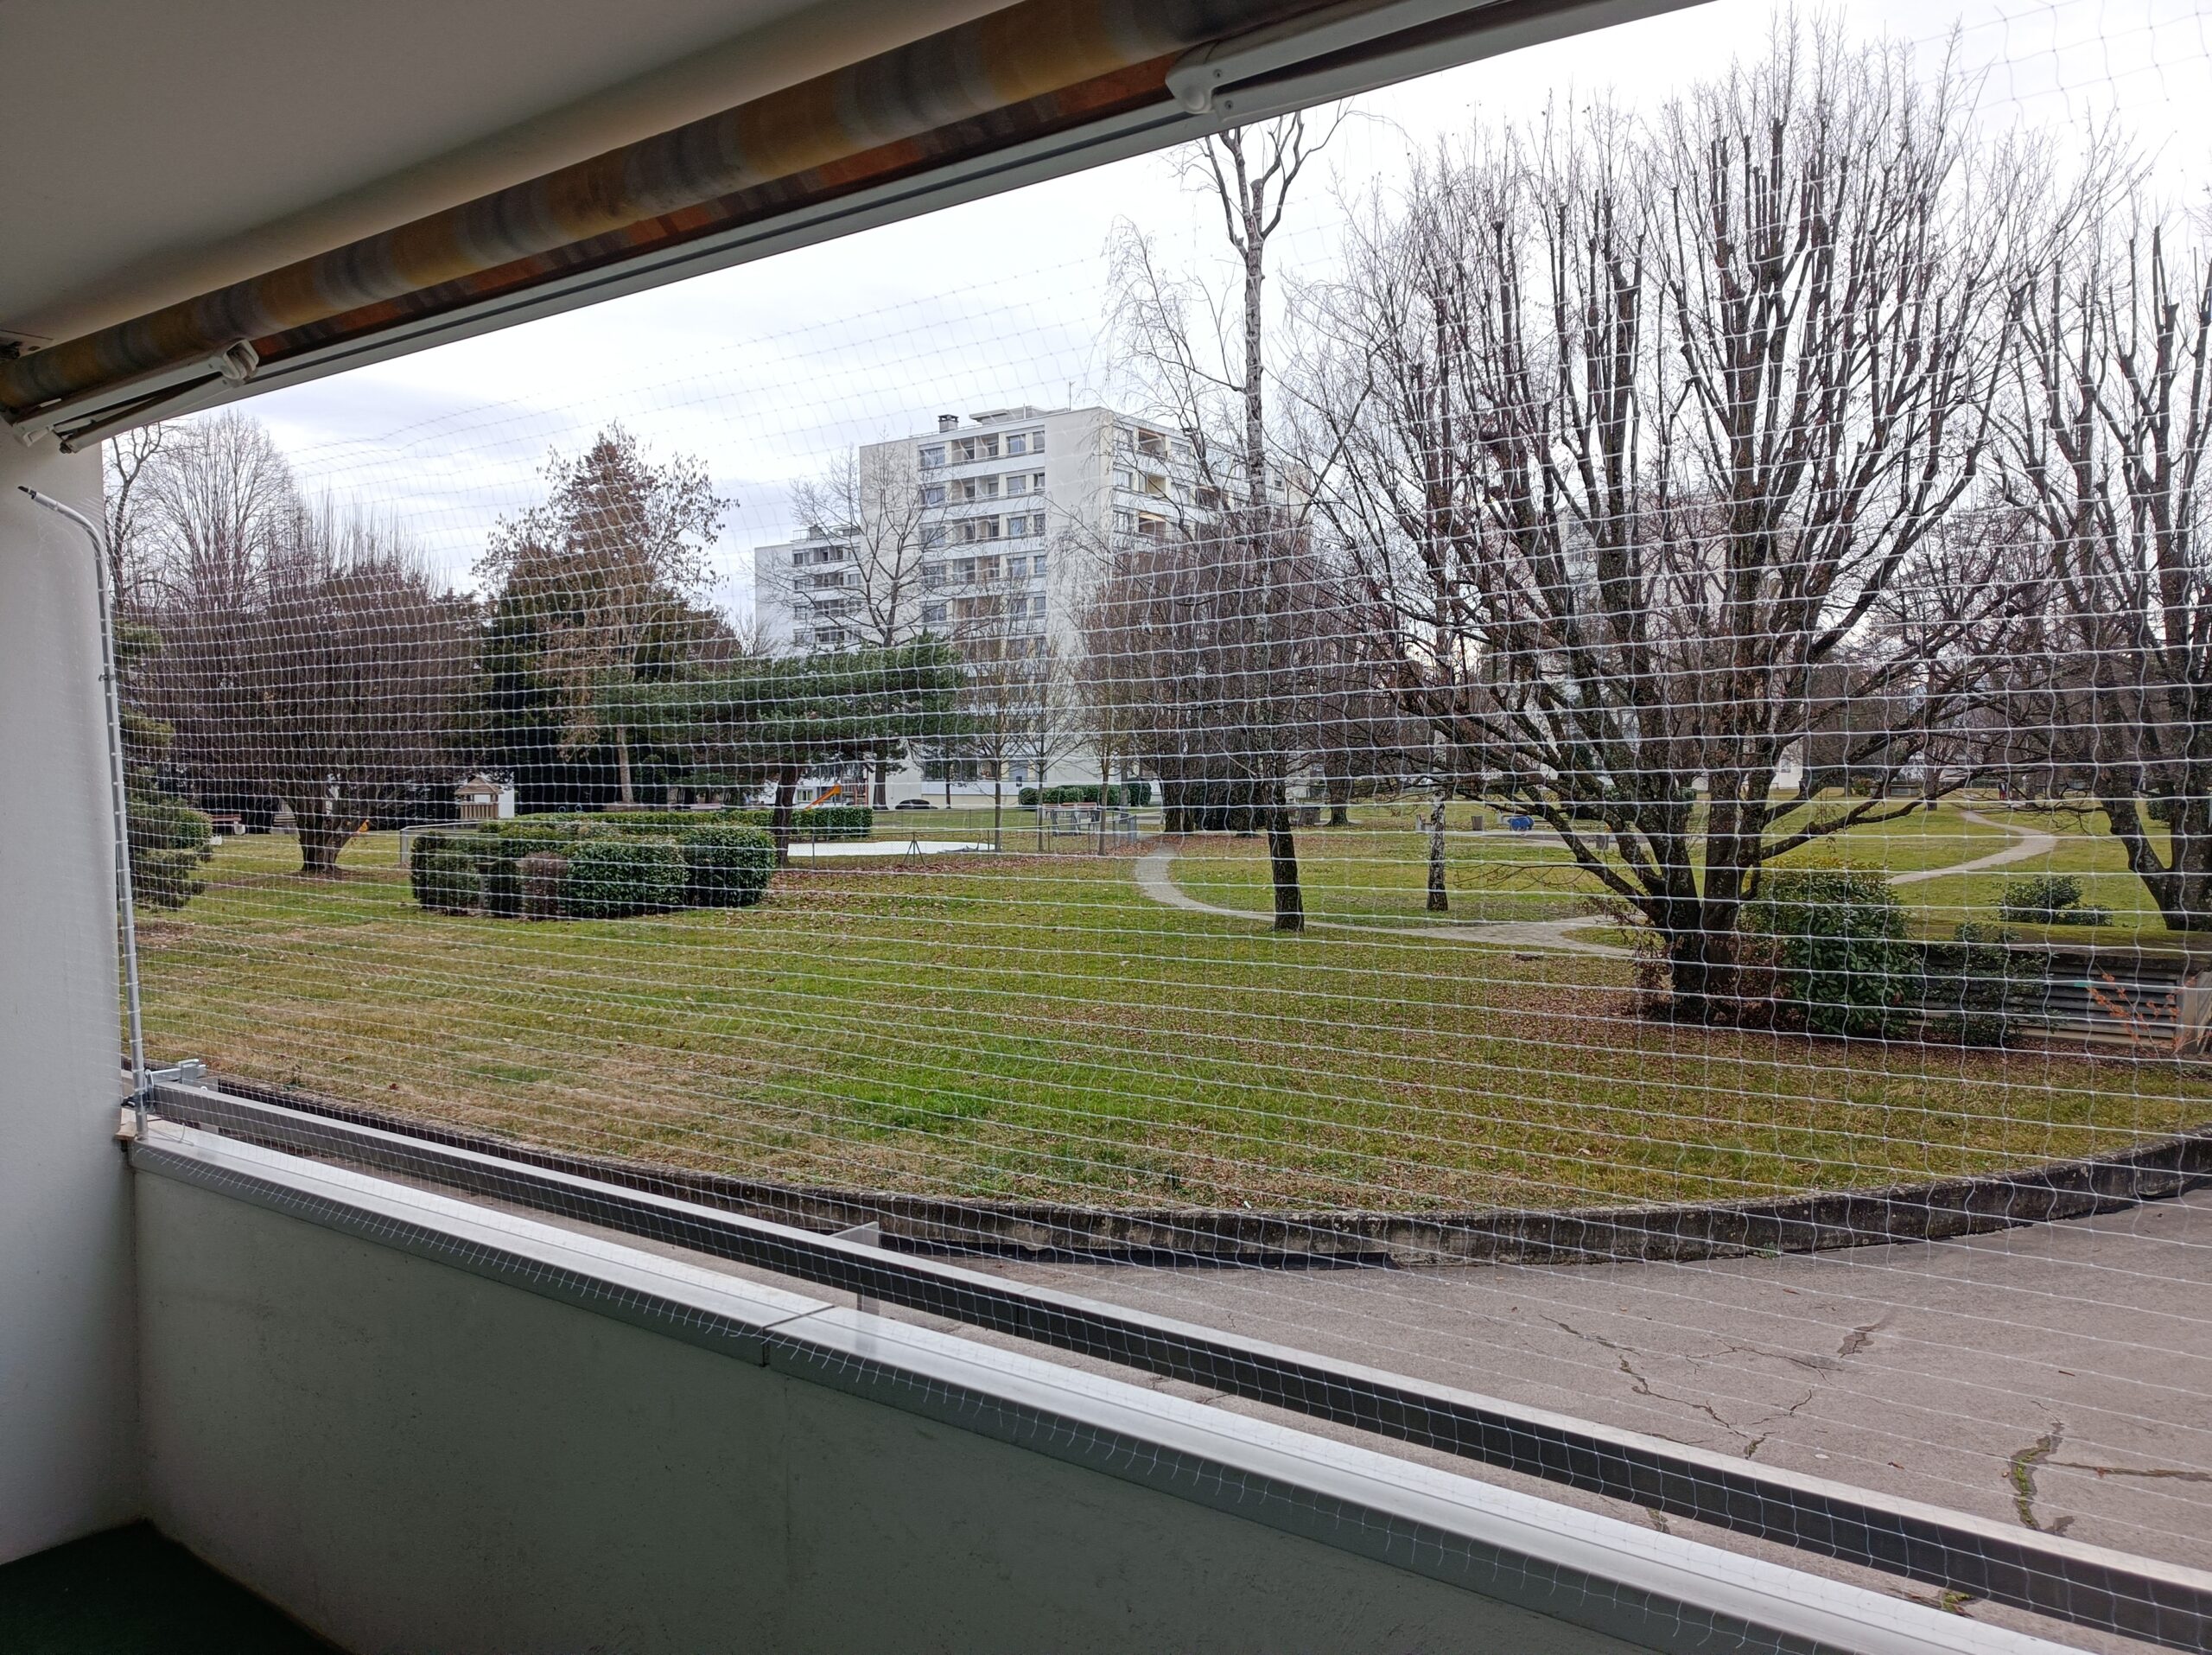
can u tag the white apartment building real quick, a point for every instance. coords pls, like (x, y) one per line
(993, 531)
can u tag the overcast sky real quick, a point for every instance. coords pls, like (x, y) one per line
(766, 370)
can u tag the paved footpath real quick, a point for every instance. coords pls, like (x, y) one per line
(2057, 1375)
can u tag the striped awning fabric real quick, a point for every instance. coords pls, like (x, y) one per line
(1028, 70)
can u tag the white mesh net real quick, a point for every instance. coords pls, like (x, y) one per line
(1590, 717)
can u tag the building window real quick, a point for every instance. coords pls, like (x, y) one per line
(1037, 606)
(1125, 479)
(1017, 484)
(1155, 485)
(1037, 566)
(1152, 445)
(932, 535)
(1018, 443)
(932, 613)
(1036, 442)
(933, 455)
(798, 559)
(933, 575)
(1209, 499)
(932, 493)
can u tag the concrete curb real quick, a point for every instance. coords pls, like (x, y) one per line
(2156, 1171)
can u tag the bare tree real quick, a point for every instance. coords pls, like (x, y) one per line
(2108, 439)
(875, 504)
(1632, 429)
(1211, 377)
(214, 509)
(333, 684)
(126, 461)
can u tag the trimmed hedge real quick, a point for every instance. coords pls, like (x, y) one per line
(594, 867)
(728, 867)
(614, 878)
(443, 873)
(1129, 794)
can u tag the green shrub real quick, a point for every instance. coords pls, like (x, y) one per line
(1836, 941)
(1976, 991)
(1131, 794)
(168, 841)
(613, 877)
(443, 875)
(2048, 900)
(726, 866)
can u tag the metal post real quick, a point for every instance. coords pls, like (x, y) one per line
(140, 1084)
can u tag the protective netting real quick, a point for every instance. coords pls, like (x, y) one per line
(1507, 706)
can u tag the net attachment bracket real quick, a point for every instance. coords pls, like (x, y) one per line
(1359, 44)
(161, 394)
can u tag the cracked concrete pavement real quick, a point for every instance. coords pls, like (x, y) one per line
(2058, 1376)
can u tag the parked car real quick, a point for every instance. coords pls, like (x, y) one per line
(913, 804)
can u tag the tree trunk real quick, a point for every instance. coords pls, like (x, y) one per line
(1439, 900)
(998, 807)
(622, 765)
(322, 836)
(780, 819)
(1256, 252)
(881, 800)
(1282, 865)
(1339, 786)
(2182, 884)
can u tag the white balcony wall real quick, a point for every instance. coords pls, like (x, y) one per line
(411, 1457)
(67, 1433)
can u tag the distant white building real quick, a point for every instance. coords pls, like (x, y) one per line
(484, 799)
(991, 532)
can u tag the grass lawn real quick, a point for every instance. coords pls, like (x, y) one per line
(1032, 1026)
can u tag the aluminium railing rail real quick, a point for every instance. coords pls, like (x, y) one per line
(2084, 1585)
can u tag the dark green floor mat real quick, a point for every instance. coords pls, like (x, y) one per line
(130, 1592)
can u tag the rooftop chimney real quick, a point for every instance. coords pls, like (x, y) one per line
(948, 422)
